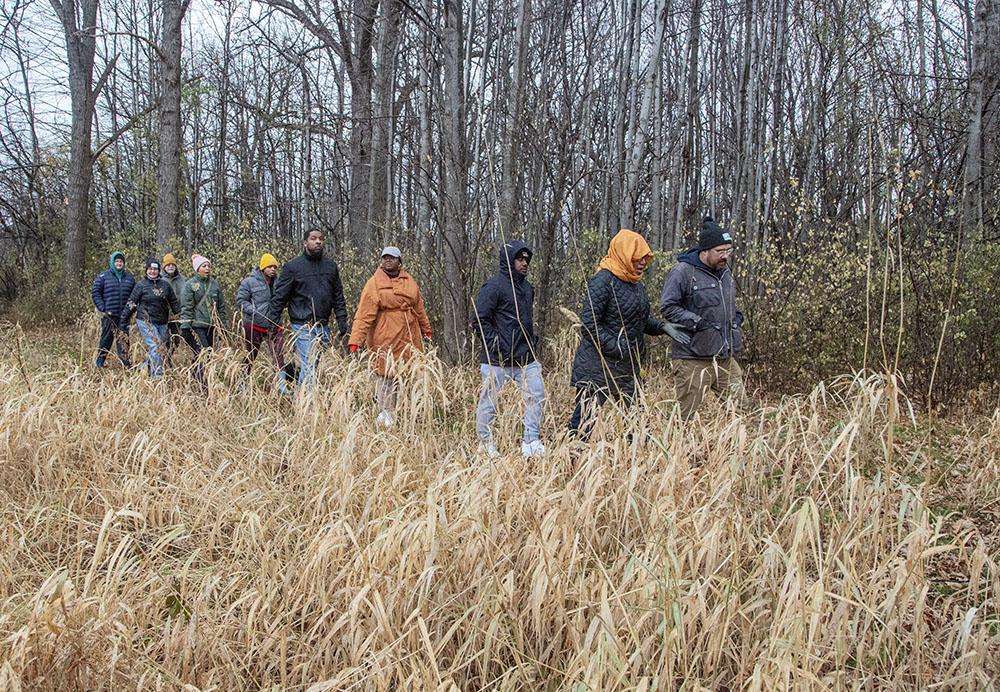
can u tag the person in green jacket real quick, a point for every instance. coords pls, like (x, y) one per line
(202, 307)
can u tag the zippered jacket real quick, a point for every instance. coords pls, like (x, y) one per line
(201, 301)
(152, 300)
(504, 314)
(310, 288)
(111, 290)
(702, 301)
(176, 282)
(254, 299)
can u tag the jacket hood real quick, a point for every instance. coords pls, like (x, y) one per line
(111, 261)
(691, 257)
(508, 252)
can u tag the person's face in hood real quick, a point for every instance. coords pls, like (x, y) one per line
(119, 262)
(521, 265)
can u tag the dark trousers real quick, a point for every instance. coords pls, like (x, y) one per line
(587, 402)
(111, 331)
(174, 341)
(199, 338)
(254, 338)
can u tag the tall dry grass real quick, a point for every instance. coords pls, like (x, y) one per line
(155, 536)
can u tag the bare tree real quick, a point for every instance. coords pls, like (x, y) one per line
(168, 171)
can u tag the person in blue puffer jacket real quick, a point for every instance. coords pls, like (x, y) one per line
(110, 294)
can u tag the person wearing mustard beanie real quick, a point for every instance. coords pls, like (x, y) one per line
(253, 300)
(176, 281)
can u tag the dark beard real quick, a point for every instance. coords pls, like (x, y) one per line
(315, 254)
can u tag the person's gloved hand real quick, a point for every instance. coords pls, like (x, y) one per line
(676, 332)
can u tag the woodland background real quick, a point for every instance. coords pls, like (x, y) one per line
(851, 146)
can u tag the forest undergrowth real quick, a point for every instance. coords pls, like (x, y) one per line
(157, 536)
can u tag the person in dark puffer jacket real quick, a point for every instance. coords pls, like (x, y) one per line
(152, 300)
(310, 287)
(615, 316)
(699, 295)
(505, 325)
(253, 300)
(110, 293)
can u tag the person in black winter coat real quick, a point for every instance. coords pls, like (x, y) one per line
(152, 300)
(699, 295)
(110, 293)
(615, 316)
(504, 322)
(309, 286)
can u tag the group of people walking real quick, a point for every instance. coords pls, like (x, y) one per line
(697, 305)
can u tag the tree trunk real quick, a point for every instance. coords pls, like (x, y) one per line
(515, 112)
(168, 171)
(641, 135)
(453, 203)
(80, 48)
(382, 131)
(984, 105)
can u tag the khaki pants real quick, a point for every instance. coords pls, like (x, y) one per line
(695, 377)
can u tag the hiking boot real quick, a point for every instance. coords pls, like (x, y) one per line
(532, 449)
(99, 364)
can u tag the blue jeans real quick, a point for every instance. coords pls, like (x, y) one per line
(310, 342)
(529, 379)
(156, 337)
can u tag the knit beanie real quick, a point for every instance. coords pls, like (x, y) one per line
(712, 235)
(169, 259)
(151, 263)
(197, 261)
(266, 261)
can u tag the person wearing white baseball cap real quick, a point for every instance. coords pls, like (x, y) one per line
(390, 321)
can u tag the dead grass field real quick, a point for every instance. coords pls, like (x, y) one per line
(156, 537)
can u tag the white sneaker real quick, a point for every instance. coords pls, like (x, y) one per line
(384, 419)
(533, 449)
(489, 450)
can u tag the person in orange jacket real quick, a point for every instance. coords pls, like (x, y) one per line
(390, 321)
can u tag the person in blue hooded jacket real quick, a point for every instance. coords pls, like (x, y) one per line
(504, 321)
(110, 294)
(700, 296)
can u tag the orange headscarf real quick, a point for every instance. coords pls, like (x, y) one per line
(625, 248)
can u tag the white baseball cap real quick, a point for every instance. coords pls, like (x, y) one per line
(392, 251)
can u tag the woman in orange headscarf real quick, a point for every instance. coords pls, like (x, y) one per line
(615, 316)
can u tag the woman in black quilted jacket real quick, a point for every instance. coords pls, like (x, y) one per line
(615, 316)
